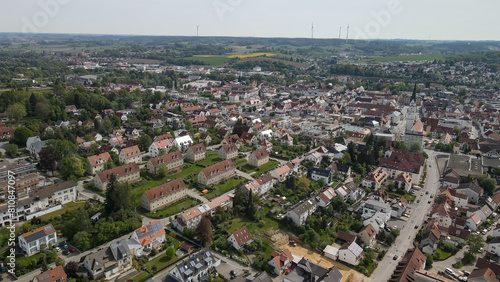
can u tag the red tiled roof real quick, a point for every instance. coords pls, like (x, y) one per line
(166, 158)
(118, 171)
(165, 189)
(52, 275)
(218, 168)
(131, 152)
(99, 159)
(242, 236)
(260, 153)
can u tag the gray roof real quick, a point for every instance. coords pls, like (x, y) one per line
(319, 171)
(194, 264)
(305, 206)
(472, 186)
(120, 250)
(99, 258)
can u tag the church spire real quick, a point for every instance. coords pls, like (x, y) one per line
(414, 95)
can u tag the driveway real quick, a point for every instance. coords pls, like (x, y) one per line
(407, 234)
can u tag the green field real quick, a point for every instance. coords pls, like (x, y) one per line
(224, 186)
(212, 61)
(67, 207)
(174, 208)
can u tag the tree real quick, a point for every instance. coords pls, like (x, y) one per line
(42, 110)
(169, 253)
(72, 166)
(189, 126)
(16, 111)
(346, 159)
(82, 240)
(47, 158)
(415, 147)
(117, 196)
(11, 150)
(428, 261)
(62, 148)
(304, 184)
(144, 142)
(162, 171)
(475, 243)
(489, 185)
(204, 231)
(109, 204)
(21, 135)
(32, 103)
(71, 269)
(238, 127)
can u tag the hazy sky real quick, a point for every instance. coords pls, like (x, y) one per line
(388, 19)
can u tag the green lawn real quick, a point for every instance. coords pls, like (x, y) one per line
(408, 197)
(440, 255)
(212, 158)
(255, 228)
(260, 170)
(189, 172)
(174, 208)
(222, 188)
(68, 207)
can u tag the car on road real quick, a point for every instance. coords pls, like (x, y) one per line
(432, 196)
(288, 271)
(233, 273)
(395, 257)
(426, 192)
(421, 193)
(416, 226)
(72, 250)
(65, 252)
(418, 201)
(428, 202)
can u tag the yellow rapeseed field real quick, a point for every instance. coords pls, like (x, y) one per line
(251, 55)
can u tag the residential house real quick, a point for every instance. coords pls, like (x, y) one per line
(399, 207)
(116, 141)
(258, 157)
(6, 132)
(261, 185)
(473, 222)
(412, 261)
(145, 239)
(280, 261)
(396, 162)
(430, 237)
(232, 139)
(306, 270)
(350, 253)
(375, 179)
(286, 140)
(403, 181)
(318, 173)
(173, 161)
(130, 155)
(194, 268)
(282, 172)
(32, 241)
(265, 144)
(239, 238)
(196, 153)
(183, 142)
(314, 157)
(55, 274)
(326, 196)
(265, 135)
(228, 151)
(35, 149)
(367, 235)
(483, 275)
(215, 173)
(472, 190)
(60, 193)
(125, 173)
(371, 206)
(340, 168)
(163, 195)
(494, 246)
(451, 178)
(157, 147)
(23, 185)
(109, 262)
(97, 162)
(299, 213)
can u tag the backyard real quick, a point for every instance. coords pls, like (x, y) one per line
(257, 171)
(174, 208)
(224, 186)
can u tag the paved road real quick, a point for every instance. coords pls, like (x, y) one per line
(407, 235)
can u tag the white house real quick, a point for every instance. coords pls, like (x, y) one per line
(261, 185)
(280, 261)
(494, 246)
(371, 206)
(350, 253)
(157, 146)
(265, 135)
(239, 238)
(130, 155)
(31, 241)
(147, 238)
(302, 210)
(183, 142)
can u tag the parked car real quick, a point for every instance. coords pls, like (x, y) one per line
(72, 250)
(288, 271)
(395, 257)
(65, 252)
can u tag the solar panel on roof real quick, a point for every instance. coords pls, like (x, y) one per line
(48, 228)
(157, 227)
(181, 270)
(35, 236)
(192, 263)
(208, 254)
(43, 277)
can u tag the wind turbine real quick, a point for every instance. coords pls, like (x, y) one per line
(347, 36)
(197, 29)
(312, 30)
(340, 32)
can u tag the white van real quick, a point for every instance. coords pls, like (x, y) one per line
(449, 271)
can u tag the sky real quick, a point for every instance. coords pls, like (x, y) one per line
(367, 19)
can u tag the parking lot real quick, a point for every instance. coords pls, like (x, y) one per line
(228, 264)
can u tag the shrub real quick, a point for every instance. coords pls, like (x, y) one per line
(458, 264)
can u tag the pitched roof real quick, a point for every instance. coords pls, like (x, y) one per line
(486, 273)
(48, 191)
(118, 171)
(229, 148)
(198, 148)
(150, 231)
(96, 160)
(353, 247)
(346, 236)
(412, 261)
(52, 275)
(218, 168)
(162, 144)
(165, 189)
(370, 231)
(131, 152)
(166, 158)
(260, 153)
(242, 236)
(38, 233)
